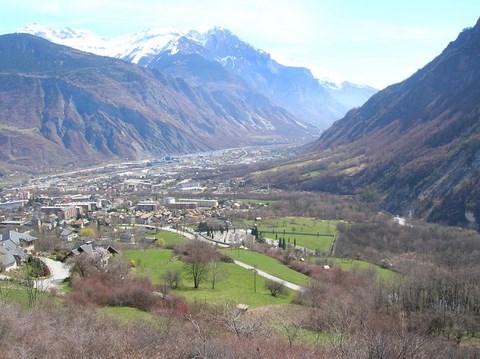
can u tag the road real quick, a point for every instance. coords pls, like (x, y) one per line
(58, 272)
(269, 276)
(187, 233)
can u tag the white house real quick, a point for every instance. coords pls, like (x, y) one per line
(68, 235)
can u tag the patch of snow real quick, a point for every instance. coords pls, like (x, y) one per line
(133, 46)
(330, 84)
(301, 124)
(470, 217)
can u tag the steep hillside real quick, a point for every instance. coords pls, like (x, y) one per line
(415, 145)
(293, 88)
(61, 106)
(421, 138)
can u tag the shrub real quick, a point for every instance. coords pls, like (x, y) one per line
(99, 289)
(171, 279)
(275, 288)
(39, 269)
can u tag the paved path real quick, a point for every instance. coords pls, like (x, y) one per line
(191, 234)
(58, 272)
(187, 233)
(269, 276)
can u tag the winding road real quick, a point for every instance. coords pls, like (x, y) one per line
(269, 276)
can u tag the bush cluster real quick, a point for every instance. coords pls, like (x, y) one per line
(100, 290)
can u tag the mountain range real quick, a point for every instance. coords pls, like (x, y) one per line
(61, 106)
(316, 102)
(414, 146)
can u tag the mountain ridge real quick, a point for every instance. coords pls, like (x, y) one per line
(65, 106)
(294, 88)
(424, 136)
(414, 147)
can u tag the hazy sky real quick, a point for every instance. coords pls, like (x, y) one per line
(374, 42)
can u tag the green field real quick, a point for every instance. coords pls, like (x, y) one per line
(152, 263)
(169, 238)
(292, 226)
(125, 313)
(267, 264)
(353, 264)
(311, 174)
(14, 293)
(236, 287)
(290, 166)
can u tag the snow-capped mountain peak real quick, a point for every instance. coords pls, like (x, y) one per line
(294, 88)
(79, 39)
(62, 34)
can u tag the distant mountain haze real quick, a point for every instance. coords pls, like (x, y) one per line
(316, 102)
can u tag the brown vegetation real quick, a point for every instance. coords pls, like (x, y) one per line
(383, 238)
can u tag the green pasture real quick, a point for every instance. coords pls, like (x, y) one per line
(237, 287)
(169, 238)
(267, 264)
(359, 265)
(311, 174)
(311, 230)
(152, 263)
(15, 293)
(283, 168)
(298, 225)
(125, 313)
(237, 284)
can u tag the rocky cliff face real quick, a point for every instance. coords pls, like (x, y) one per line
(60, 106)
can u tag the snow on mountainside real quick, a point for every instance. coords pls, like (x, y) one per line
(131, 47)
(136, 46)
(317, 102)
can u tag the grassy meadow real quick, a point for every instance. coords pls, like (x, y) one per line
(267, 264)
(236, 284)
(310, 233)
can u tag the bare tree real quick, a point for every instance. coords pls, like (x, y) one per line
(197, 259)
(84, 265)
(47, 242)
(34, 285)
(171, 279)
(6, 289)
(238, 322)
(204, 330)
(118, 268)
(291, 328)
(217, 272)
